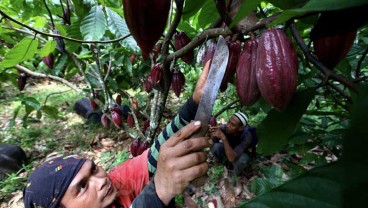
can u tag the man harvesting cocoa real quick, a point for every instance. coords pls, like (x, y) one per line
(148, 180)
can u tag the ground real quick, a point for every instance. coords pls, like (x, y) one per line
(48, 137)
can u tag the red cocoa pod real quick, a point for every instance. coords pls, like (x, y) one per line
(117, 110)
(209, 53)
(146, 124)
(118, 99)
(49, 61)
(330, 50)
(105, 120)
(22, 80)
(148, 83)
(130, 121)
(277, 68)
(132, 58)
(142, 147)
(234, 51)
(116, 118)
(156, 51)
(93, 104)
(146, 21)
(180, 40)
(66, 16)
(213, 121)
(246, 78)
(134, 147)
(178, 82)
(156, 75)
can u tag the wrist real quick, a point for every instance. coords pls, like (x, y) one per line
(162, 193)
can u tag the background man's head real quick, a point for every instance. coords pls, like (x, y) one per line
(236, 123)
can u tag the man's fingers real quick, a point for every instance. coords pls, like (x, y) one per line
(184, 133)
(194, 172)
(187, 161)
(190, 145)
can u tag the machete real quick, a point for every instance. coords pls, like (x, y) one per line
(215, 75)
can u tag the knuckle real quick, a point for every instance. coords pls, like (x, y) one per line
(188, 144)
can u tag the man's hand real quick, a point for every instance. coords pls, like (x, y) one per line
(216, 132)
(181, 160)
(199, 89)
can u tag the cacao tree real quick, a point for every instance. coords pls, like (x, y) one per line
(304, 61)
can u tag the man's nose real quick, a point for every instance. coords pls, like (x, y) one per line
(100, 182)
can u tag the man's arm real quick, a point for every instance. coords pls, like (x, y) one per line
(229, 151)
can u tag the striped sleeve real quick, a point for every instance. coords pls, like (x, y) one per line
(186, 114)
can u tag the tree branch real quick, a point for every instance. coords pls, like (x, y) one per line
(214, 33)
(225, 108)
(60, 36)
(325, 71)
(36, 74)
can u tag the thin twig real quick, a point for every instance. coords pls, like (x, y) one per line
(54, 93)
(60, 36)
(36, 74)
(225, 108)
(50, 15)
(326, 71)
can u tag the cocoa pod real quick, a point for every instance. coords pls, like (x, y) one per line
(22, 80)
(146, 21)
(116, 118)
(209, 53)
(130, 121)
(213, 121)
(277, 68)
(135, 104)
(330, 50)
(146, 124)
(148, 83)
(246, 78)
(132, 58)
(180, 40)
(142, 147)
(134, 146)
(105, 120)
(156, 75)
(117, 110)
(178, 82)
(93, 104)
(118, 99)
(156, 51)
(234, 51)
(49, 61)
(66, 16)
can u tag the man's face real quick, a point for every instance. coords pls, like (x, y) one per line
(233, 125)
(91, 188)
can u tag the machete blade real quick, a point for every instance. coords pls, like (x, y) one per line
(215, 75)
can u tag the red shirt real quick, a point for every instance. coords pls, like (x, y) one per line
(130, 178)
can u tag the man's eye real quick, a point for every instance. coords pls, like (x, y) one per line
(83, 187)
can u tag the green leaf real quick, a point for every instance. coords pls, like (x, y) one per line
(119, 28)
(355, 153)
(287, 4)
(24, 50)
(245, 8)
(191, 7)
(207, 15)
(318, 5)
(318, 188)
(48, 48)
(51, 111)
(275, 130)
(39, 114)
(31, 102)
(93, 26)
(74, 32)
